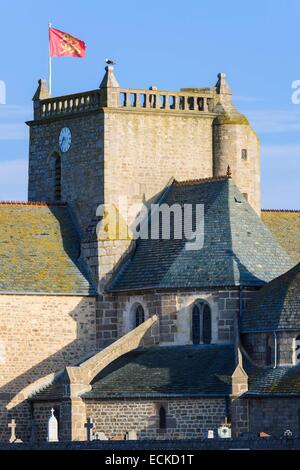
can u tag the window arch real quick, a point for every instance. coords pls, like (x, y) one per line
(201, 323)
(196, 324)
(162, 418)
(206, 324)
(139, 315)
(297, 350)
(57, 178)
(269, 350)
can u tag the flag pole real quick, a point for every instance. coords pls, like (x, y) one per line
(50, 62)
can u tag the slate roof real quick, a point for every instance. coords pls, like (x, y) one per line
(285, 226)
(39, 250)
(165, 371)
(191, 371)
(238, 248)
(282, 381)
(276, 306)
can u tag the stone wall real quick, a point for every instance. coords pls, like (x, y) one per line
(239, 414)
(255, 346)
(40, 335)
(174, 310)
(81, 167)
(143, 150)
(186, 418)
(256, 343)
(274, 415)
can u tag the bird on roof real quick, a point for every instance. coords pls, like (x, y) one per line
(110, 62)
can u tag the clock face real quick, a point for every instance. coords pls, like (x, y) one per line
(65, 139)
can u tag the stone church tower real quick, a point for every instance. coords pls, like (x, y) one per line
(94, 147)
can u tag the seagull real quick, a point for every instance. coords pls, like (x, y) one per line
(110, 62)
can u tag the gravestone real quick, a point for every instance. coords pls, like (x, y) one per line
(12, 425)
(13, 438)
(224, 431)
(99, 436)
(89, 426)
(52, 428)
(210, 434)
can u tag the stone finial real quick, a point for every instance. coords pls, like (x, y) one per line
(109, 80)
(239, 378)
(229, 172)
(222, 86)
(42, 91)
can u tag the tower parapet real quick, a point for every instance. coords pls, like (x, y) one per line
(111, 95)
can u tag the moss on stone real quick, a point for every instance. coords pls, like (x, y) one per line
(232, 119)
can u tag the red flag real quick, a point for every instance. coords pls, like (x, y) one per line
(65, 45)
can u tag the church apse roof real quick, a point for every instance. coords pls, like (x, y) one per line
(238, 247)
(276, 306)
(39, 250)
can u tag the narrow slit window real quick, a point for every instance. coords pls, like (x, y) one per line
(162, 418)
(244, 154)
(57, 187)
(139, 315)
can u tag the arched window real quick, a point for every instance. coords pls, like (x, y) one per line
(139, 315)
(57, 416)
(57, 178)
(206, 324)
(162, 418)
(201, 323)
(269, 350)
(297, 350)
(196, 322)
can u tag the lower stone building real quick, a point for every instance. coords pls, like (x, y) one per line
(165, 336)
(204, 337)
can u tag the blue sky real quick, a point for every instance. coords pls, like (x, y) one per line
(169, 44)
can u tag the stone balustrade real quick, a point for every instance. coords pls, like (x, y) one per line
(125, 99)
(70, 104)
(165, 100)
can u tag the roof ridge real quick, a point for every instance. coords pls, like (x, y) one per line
(202, 180)
(29, 203)
(280, 210)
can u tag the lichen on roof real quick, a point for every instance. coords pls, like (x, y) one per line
(39, 251)
(232, 119)
(285, 226)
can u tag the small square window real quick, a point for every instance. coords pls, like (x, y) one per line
(244, 154)
(245, 196)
